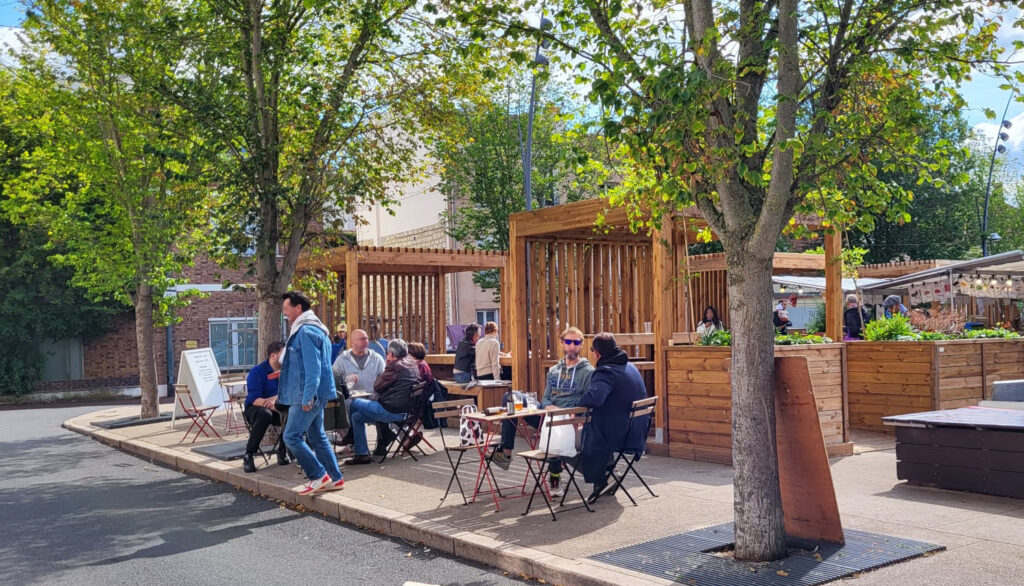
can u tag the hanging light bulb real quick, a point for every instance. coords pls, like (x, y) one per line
(782, 288)
(994, 282)
(977, 281)
(800, 291)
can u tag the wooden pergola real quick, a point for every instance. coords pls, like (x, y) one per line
(562, 271)
(396, 292)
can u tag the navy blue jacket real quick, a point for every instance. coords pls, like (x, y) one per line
(257, 385)
(614, 386)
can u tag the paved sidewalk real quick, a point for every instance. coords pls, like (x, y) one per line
(984, 535)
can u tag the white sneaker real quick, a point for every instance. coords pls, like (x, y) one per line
(315, 486)
(557, 491)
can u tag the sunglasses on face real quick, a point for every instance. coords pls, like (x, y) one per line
(572, 342)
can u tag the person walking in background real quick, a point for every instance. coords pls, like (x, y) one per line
(894, 306)
(465, 355)
(488, 354)
(260, 410)
(780, 318)
(710, 323)
(306, 385)
(854, 318)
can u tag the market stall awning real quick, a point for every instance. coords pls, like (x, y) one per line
(818, 283)
(1006, 264)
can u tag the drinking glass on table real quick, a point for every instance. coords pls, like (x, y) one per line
(518, 401)
(351, 379)
(531, 401)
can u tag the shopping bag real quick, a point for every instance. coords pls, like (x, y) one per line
(470, 432)
(562, 438)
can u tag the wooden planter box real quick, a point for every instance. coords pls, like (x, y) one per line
(700, 403)
(893, 378)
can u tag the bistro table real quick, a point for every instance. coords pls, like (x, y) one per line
(491, 425)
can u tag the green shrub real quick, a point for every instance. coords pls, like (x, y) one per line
(896, 327)
(797, 338)
(817, 321)
(988, 333)
(936, 336)
(716, 338)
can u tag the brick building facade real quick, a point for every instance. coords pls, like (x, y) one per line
(110, 361)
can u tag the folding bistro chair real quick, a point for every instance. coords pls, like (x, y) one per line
(200, 415)
(233, 386)
(577, 417)
(446, 409)
(272, 437)
(410, 426)
(640, 410)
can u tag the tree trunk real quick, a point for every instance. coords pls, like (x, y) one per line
(268, 319)
(759, 529)
(147, 357)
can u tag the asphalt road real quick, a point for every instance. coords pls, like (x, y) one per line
(73, 511)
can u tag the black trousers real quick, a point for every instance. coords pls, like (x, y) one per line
(259, 418)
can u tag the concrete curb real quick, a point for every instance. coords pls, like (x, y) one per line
(509, 557)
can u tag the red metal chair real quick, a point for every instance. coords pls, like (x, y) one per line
(200, 415)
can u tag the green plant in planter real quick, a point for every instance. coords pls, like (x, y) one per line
(989, 333)
(896, 327)
(817, 321)
(932, 336)
(797, 338)
(717, 338)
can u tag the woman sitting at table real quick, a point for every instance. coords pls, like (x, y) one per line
(710, 322)
(565, 383)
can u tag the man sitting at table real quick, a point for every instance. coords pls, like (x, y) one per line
(390, 403)
(259, 406)
(564, 385)
(615, 385)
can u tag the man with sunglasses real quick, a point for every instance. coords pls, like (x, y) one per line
(564, 386)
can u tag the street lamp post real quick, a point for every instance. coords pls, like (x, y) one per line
(538, 60)
(1001, 137)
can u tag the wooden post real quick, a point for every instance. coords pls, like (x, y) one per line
(353, 310)
(515, 287)
(504, 305)
(834, 285)
(441, 315)
(662, 265)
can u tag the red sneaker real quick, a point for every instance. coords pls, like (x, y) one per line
(315, 486)
(337, 485)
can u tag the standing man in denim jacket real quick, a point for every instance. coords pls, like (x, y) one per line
(306, 385)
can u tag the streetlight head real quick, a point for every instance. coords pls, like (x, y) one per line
(1007, 124)
(541, 61)
(546, 25)
(1001, 149)
(995, 237)
(1003, 136)
(546, 43)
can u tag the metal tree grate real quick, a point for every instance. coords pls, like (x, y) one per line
(223, 451)
(686, 558)
(130, 421)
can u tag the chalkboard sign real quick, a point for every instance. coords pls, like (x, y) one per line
(199, 370)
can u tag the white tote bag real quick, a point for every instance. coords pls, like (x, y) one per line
(563, 438)
(470, 433)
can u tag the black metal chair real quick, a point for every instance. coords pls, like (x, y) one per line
(410, 426)
(447, 409)
(641, 409)
(578, 418)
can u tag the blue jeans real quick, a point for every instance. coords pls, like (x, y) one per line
(321, 459)
(363, 411)
(462, 377)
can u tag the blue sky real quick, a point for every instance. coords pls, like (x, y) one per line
(11, 13)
